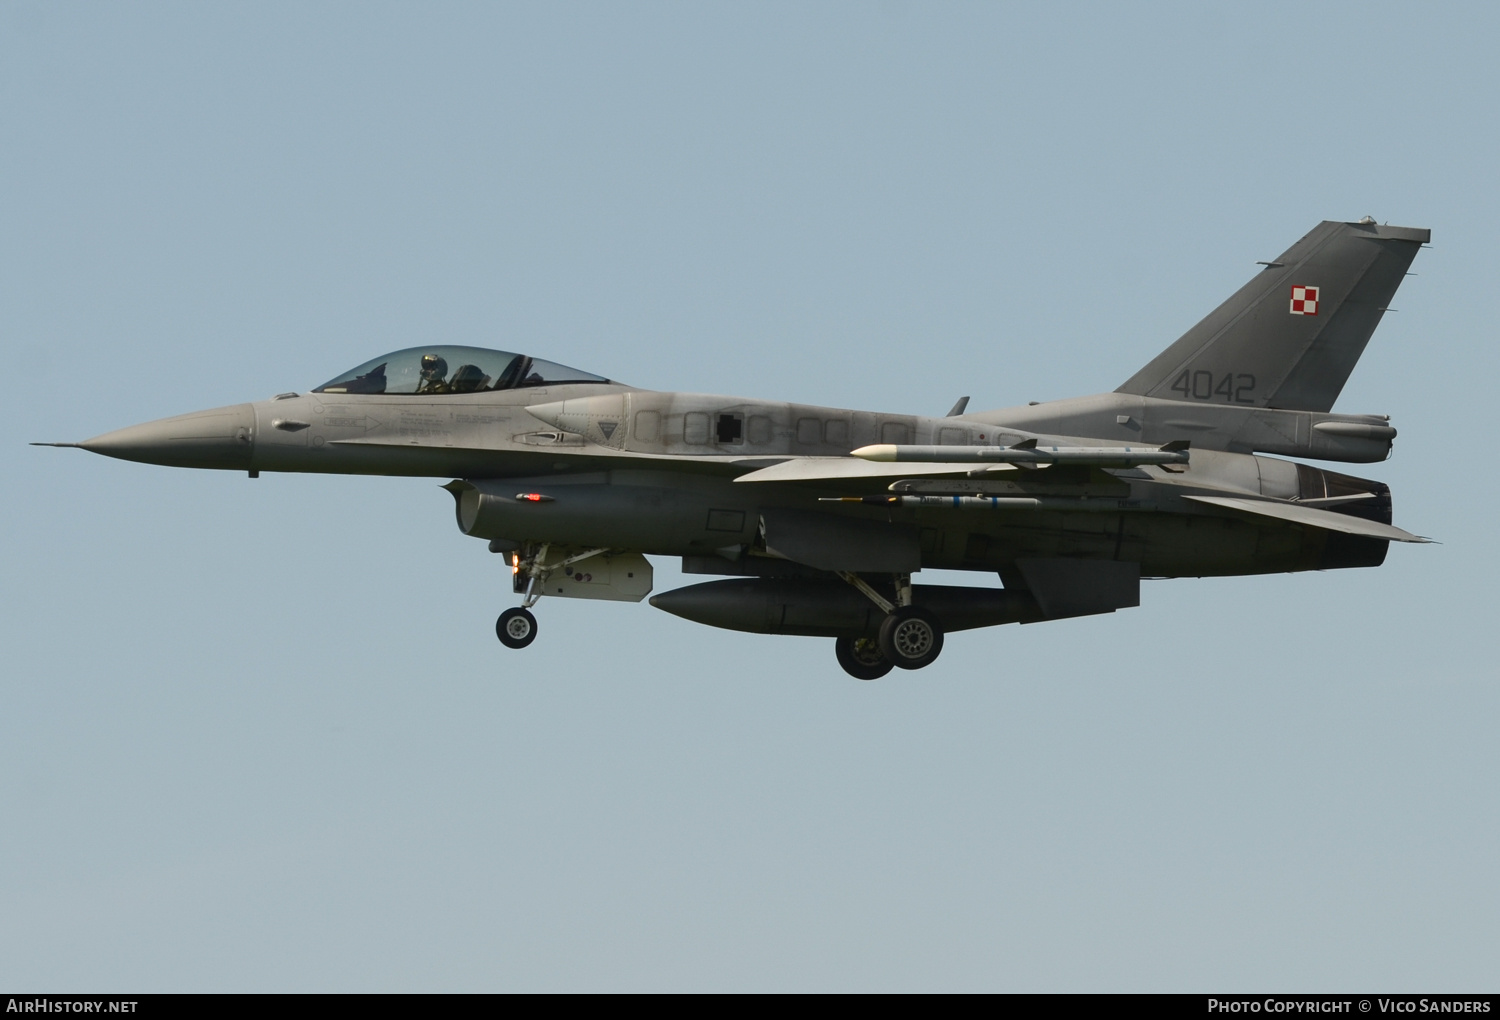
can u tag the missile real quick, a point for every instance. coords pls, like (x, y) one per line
(1028, 453)
(1071, 503)
(818, 608)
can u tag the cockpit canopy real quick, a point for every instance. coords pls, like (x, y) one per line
(453, 369)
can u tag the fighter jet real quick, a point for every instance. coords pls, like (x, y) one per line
(816, 518)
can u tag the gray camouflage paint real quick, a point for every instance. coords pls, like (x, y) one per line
(637, 471)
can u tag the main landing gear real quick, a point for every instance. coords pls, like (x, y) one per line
(909, 638)
(861, 658)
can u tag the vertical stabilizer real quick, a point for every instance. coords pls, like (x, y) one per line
(1290, 337)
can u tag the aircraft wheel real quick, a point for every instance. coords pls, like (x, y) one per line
(911, 637)
(861, 658)
(516, 628)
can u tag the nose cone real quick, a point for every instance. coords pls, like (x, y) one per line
(221, 438)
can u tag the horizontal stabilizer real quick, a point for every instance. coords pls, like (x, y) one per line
(1312, 517)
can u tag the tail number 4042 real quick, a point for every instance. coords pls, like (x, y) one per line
(1231, 387)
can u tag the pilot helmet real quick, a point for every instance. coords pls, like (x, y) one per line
(433, 367)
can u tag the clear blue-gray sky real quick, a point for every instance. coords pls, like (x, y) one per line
(258, 735)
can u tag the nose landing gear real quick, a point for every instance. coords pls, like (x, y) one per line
(516, 628)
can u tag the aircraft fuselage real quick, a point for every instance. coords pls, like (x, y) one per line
(655, 472)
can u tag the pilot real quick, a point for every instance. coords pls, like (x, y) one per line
(468, 379)
(434, 369)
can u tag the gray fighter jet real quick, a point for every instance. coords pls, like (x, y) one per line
(819, 516)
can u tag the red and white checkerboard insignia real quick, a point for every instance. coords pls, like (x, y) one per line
(1304, 301)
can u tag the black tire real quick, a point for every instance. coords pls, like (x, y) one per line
(861, 658)
(516, 628)
(911, 637)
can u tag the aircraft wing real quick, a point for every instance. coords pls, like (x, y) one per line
(1312, 517)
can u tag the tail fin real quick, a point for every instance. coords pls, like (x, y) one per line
(1290, 337)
